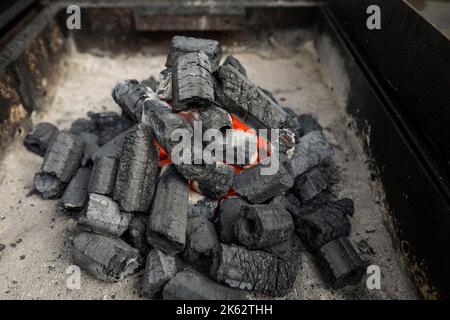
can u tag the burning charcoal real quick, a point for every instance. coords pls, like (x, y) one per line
(215, 118)
(241, 147)
(181, 45)
(128, 95)
(108, 259)
(258, 188)
(309, 184)
(329, 222)
(166, 229)
(340, 263)
(164, 90)
(151, 82)
(254, 270)
(91, 146)
(192, 82)
(229, 210)
(219, 183)
(261, 226)
(192, 285)
(159, 269)
(103, 176)
(112, 149)
(138, 170)
(201, 239)
(61, 162)
(308, 124)
(103, 216)
(236, 64)
(40, 138)
(238, 95)
(205, 207)
(137, 232)
(75, 196)
(311, 150)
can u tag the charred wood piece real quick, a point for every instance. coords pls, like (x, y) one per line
(91, 143)
(229, 210)
(61, 162)
(103, 176)
(138, 170)
(76, 194)
(112, 149)
(205, 207)
(136, 235)
(164, 90)
(236, 64)
(309, 184)
(129, 96)
(159, 269)
(106, 258)
(219, 182)
(215, 118)
(166, 228)
(39, 139)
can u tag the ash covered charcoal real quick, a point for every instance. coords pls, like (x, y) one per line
(261, 226)
(91, 146)
(310, 151)
(192, 285)
(340, 263)
(112, 149)
(129, 95)
(39, 139)
(192, 84)
(166, 228)
(76, 194)
(106, 258)
(229, 210)
(61, 162)
(136, 235)
(329, 222)
(218, 183)
(103, 177)
(181, 45)
(151, 82)
(137, 171)
(201, 240)
(159, 269)
(254, 270)
(236, 94)
(215, 118)
(104, 216)
(205, 207)
(258, 188)
(309, 184)
(230, 60)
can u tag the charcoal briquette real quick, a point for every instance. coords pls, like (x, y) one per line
(76, 194)
(218, 183)
(159, 269)
(136, 235)
(103, 176)
(205, 207)
(229, 210)
(39, 139)
(129, 95)
(309, 184)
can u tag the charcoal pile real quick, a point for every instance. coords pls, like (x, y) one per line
(218, 225)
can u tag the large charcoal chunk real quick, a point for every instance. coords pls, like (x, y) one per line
(103, 176)
(75, 196)
(192, 82)
(229, 210)
(181, 45)
(311, 150)
(137, 236)
(201, 240)
(104, 216)
(129, 95)
(340, 263)
(261, 226)
(192, 285)
(309, 184)
(159, 269)
(40, 138)
(257, 188)
(138, 170)
(215, 118)
(236, 64)
(219, 183)
(166, 229)
(329, 222)
(61, 162)
(106, 258)
(238, 95)
(254, 270)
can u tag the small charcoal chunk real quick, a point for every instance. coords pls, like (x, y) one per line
(103, 176)
(261, 226)
(236, 64)
(41, 137)
(181, 45)
(192, 82)
(166, 228)
(61, 162)
(219, 183)
(192, 285)
(340, 263)
(106, 258)
(104, 216)
(129, 95)
(76, 194)
(164, 90)
(308, 124)
(329, 222)
(112, 149)
(159, 269)
(215, 118)
(238, 95)
(229, 210)
(137, 236)
(309, 184)
(138, 170)
(205, 207)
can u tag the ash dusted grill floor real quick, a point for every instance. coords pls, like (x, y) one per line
(35, 234)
